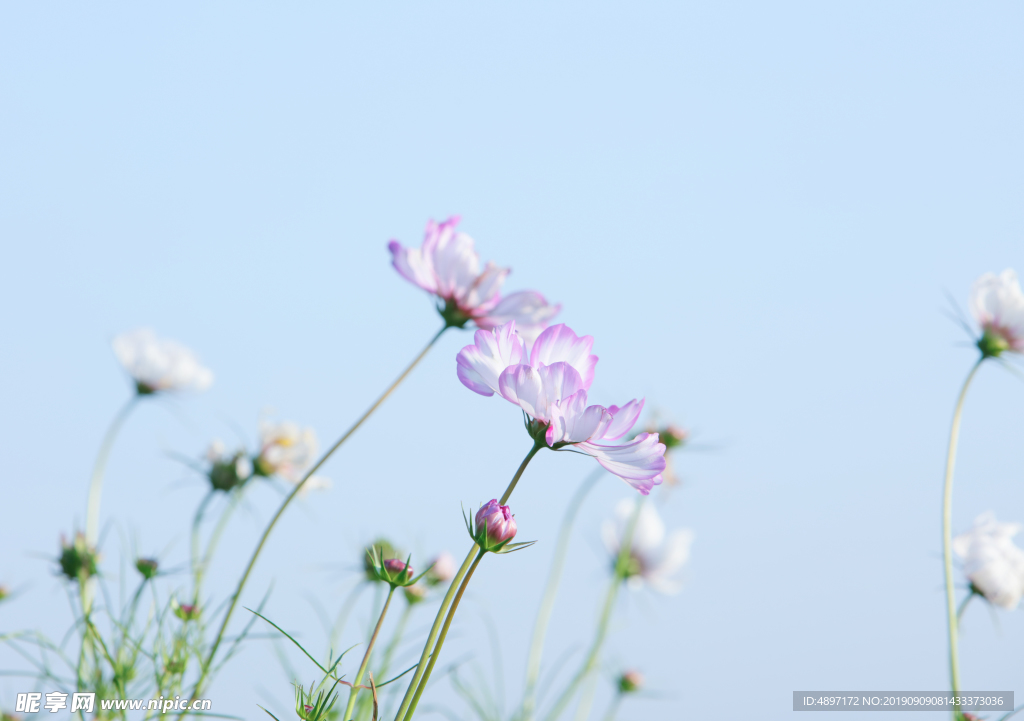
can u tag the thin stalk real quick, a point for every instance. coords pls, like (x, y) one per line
(92, 506)
(366, 658)
(363, 705)
(196, 522)
(947, 535)
(208, 661)
(435, 628)
(619, 575)
(92, 513)
(444, 634)
(547, 604)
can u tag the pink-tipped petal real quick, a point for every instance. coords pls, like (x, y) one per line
(485, 292)
(573, 421)
(623, 420)
(559, 344)
(528, 308)
(479, 365)
(456, 263)
(639, 462)
(534, 390)
(413, 265)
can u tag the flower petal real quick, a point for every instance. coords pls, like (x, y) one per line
(528, 308)
(413, 265)
(534, 390)
(559, 344)
(572, 421)
(623, 420)
(456, 263)
(484, 293)
(480, 364)
(639, 463)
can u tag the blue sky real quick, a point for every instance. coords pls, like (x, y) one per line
(756, 210)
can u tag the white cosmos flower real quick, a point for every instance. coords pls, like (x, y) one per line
(656, 556)
(159, 364)
(997, 304)
(992, 563)
(287, 451)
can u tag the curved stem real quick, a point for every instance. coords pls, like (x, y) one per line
(947, 534)
(618, 576)
(444, 634)
(547, 603)
(92, 512)
(208, 661)
(366, 658)
(435, 628)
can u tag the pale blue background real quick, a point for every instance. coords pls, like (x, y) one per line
(754, 208)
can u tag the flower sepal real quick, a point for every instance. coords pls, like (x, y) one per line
(78, 560)
(392, 571)
(993, 344)
(454, 317)
(313, 708)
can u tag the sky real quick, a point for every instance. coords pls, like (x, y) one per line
(763, 213)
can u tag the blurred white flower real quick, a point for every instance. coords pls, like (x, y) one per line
(287, 451)
(159, 364)
(997, 304)
(655, 556)
(992, 563)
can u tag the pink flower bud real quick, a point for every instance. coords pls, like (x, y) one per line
(495, 525)
(397, 569)
(443, 569)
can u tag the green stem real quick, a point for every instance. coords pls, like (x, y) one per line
(547, 603)
(92, 506)
(363, 706)
(947, 535)
(92, 513)
(366, 658)
(435, 628)
(618, 576)
(444, 634)
(208, 661)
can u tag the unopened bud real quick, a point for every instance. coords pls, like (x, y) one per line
(185, 611)
(77, 559)
(631, 681)
(443, 569)
(147, 567)
(495, 526)
(398, 570)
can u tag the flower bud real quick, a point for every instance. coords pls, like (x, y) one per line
(147, 567)
(185, 611)
(414, 593)
(77, 559)
(495, 526)
(5, 592)
(386, 549)
(673, 436)
(398, 570)
(442, 570)
(630, 681)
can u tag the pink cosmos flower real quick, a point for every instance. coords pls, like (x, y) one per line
(997, 304)
(495, 525)
(550, 383)
(448, 266)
